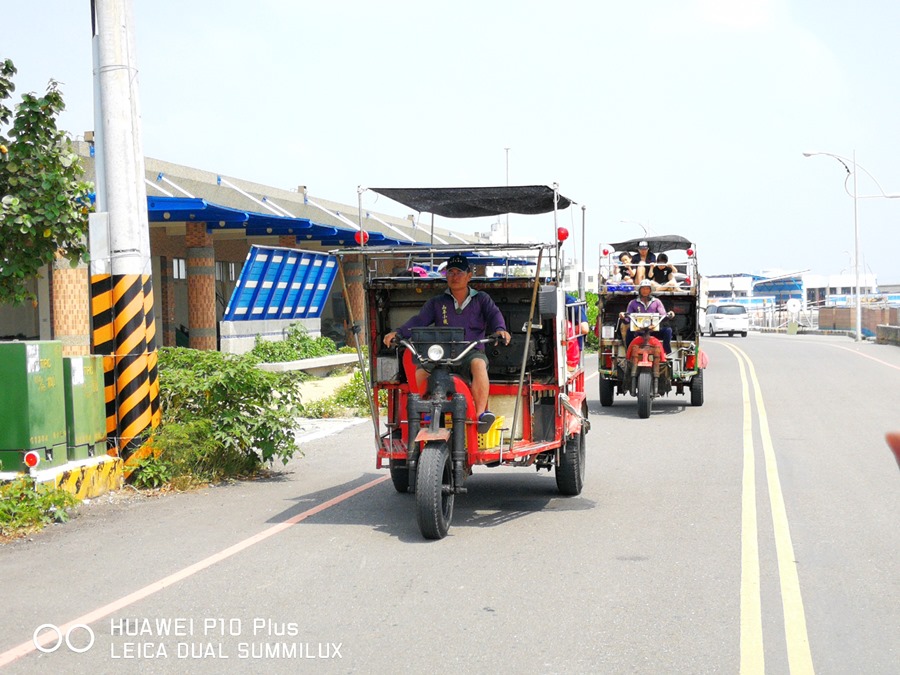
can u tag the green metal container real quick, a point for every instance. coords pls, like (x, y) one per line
(85, 406)
(32, 404)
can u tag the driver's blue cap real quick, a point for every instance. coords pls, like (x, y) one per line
(458, 262)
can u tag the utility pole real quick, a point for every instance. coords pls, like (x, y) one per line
(507, 185)
(121, 290)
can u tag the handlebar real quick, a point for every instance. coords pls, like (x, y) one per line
(493, 339)
(625, 316)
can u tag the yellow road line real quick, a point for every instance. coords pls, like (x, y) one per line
(796, 637)
(752, 653)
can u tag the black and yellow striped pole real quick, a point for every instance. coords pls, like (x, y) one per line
(124, 330)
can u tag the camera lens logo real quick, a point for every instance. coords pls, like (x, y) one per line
(60, 638)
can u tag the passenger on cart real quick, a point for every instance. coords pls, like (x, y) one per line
(462, 307)
(642, 261)
(662, 274)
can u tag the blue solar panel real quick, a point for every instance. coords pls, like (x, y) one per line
(280, 283)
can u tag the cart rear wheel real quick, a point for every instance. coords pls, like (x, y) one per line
(607, 392)
(644, 393)
(570, 470)
(434, 496)
(400, 475)
(697, 389)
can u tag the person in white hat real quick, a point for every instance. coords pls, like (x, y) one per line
(641, 261)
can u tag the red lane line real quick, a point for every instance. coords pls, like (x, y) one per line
(21, 650)
(873, 358)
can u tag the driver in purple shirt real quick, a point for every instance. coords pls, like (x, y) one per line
(464, 307)
(645, 303)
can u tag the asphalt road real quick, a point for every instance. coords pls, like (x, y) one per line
(757, 533)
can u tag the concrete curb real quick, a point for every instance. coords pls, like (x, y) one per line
(319, 366)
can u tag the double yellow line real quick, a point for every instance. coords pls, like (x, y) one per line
(752, 653)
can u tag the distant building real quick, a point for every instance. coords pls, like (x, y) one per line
(812, 290)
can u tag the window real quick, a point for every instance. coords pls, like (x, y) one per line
(225, 271)
(179, 268)
(732, 309)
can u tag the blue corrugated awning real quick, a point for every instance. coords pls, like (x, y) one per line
(783, 288)
(189, 210)
(216, 217)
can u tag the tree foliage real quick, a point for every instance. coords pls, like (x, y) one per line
(43, 200)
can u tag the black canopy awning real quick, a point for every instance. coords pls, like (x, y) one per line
(474, 202)
(666, 242)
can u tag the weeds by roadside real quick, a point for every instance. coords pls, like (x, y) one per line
(26, 507)
(296, 345)
(222, 417)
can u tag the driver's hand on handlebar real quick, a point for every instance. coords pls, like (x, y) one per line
(502, 335)
(622, 315)
(389, 339)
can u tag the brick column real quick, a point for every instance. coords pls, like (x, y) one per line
(287, 240)
(71, 295)
(201, 278)
(354, 276)
(167, 302)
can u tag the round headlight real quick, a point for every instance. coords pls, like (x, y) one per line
(435, 352)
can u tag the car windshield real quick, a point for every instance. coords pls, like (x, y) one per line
(732, 309)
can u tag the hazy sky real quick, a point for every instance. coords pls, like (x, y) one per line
(687, 116)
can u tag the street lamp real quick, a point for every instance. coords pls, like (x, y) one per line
(856, 197)
(634, 222)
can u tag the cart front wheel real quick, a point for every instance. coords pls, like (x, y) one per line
(644, 393)
(434, 495)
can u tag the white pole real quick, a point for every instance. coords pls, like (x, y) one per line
(507, 185)
(581, 279)
(856, 260)
(120, 134)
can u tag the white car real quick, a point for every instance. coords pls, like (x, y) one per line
(727, 318)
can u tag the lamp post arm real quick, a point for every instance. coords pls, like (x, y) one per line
(844, 162)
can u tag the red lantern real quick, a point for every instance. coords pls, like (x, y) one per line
(361, 237)
(562, 233)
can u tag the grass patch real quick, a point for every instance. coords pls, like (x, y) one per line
(26, 507)
(350, 400)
